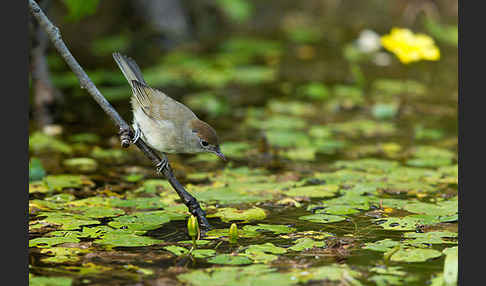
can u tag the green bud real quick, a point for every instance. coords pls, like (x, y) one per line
(233, 233)
(192, 226)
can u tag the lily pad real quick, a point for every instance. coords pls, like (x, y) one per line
(239, 276)
(433, 237)
(65, 221)
(126, 239)
(381, 245)
(275, 228)
(60, 182)
(141, 220)
(402, 223)
(43, 242)
(306, 243)
(415, 255)
(62, 254)
(229, 259)
(232, 214)
(50, 281)
(451, 265)
(319, 191)
(441, 209)
(323, 218)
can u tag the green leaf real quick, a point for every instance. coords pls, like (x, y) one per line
(50, 281)
(43, 242)
(381, 245)
(306, 243)
(141, 220)
(275, 228)
(229, 259)
(232, 214)
(451, 265)
(177, 250)
(126, 239)
(414, 255)
(433, 237)
(60, 182)
(323, 218)
(441, 209)
(319, 191)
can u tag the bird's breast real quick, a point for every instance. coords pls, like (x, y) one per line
(162, 135)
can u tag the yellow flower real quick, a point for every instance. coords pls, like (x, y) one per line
(410, 47)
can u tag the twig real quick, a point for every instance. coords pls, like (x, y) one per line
(85, 82)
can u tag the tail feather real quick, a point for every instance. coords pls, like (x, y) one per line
(129, 68)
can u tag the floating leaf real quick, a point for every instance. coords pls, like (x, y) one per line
(177, 250)
(403, 223)
(441, 209)
(433, 237)
(381, 245)
(60, 182)
(319, 191)
(50, 281)
(451, 265)
(414, 255)
(239, 276)
(141, 220)
(229, 259)
(275, 228)
(232, 214)
(306, 243)
(43, 242)
(62, 254)
(126, 239)
(323, 218)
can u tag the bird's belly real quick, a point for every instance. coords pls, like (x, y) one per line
(160, 135)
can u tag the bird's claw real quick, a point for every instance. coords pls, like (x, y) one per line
(162, 164)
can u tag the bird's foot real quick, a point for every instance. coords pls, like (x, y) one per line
(162, 164)
(125, 135)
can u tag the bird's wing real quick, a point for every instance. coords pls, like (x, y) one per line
(158, 106)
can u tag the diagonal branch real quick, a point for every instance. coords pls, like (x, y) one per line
(85, 82)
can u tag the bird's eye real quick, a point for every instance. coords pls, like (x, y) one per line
(204, 143)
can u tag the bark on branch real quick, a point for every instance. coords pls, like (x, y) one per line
(85, 82)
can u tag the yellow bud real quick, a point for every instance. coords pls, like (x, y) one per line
(192, 226)
(233, 232)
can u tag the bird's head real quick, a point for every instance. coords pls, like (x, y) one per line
(205, 138)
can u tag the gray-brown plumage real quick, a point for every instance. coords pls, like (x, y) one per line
(165, 124)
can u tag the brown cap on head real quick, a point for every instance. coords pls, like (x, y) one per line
(205, 131)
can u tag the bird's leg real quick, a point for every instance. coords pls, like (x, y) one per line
(137, 133)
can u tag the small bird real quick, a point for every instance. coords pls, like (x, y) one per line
(165, 124)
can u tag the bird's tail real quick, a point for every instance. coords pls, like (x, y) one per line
(129, 68)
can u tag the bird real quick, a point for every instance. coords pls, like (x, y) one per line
(165, 124)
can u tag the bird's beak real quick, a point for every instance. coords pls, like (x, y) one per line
(220, 154)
